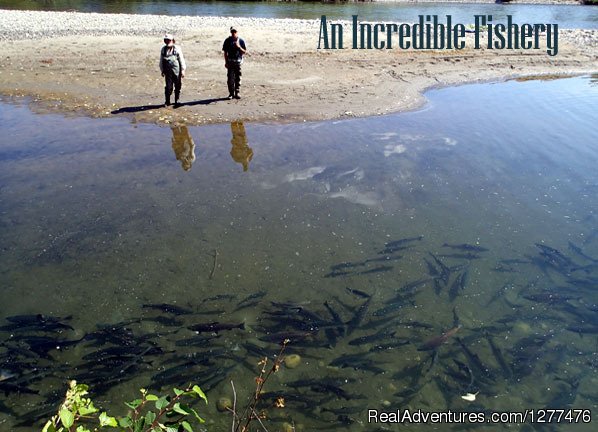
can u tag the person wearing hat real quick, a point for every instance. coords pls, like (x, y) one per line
(172, 66)
(233, 48)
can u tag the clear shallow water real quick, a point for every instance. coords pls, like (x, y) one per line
(98, 218)
(566, 16)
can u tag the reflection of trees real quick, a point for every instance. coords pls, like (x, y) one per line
(183, 146)
(241, 152)
(56, 5)
(123, 6)
(594, 79)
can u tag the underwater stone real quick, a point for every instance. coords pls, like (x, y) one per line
(292, 361)
(224, 404)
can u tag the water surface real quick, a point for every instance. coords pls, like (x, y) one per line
(477, 212)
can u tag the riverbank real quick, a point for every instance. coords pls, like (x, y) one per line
(107, 65)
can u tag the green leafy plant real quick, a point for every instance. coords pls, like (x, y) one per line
(150, 413)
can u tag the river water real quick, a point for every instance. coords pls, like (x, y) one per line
(566, 16)
(410, 258)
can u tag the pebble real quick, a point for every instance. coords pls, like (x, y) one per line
(224, 404)
(287, 427)
(292, 361)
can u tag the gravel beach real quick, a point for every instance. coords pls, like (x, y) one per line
(107, 65)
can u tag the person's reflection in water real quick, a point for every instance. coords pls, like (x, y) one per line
(183, 146)
(241, 152)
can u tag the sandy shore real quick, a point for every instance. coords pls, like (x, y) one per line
(110, 68)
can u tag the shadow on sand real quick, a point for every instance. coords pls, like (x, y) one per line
(134, 109)
(201, 102)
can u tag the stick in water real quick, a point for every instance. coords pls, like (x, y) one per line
(215, 263)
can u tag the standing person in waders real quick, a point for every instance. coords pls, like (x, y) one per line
(233, 48)
(172, 66)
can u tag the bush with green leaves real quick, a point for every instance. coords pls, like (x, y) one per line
(150, 413)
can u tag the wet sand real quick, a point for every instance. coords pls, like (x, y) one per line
(110, 68)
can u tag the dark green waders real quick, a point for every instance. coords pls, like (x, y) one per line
(233, 75)
(172, 74)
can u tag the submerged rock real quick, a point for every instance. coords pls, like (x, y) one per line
(292, 361)
(224, 404)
